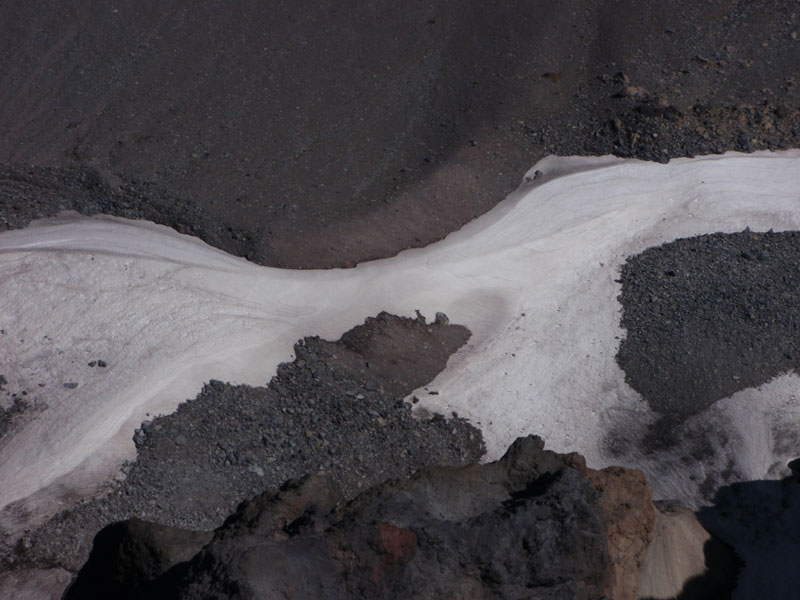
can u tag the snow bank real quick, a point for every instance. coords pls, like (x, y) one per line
(534, 279)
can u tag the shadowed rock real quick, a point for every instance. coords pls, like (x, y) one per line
(534, 523)
(127, 553)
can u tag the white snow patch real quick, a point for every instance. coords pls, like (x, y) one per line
(534, 279)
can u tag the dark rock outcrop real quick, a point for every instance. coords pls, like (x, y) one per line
(533, 524)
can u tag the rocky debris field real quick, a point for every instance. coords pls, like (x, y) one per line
(28, 193)
(337, 409)
(648, 127)
(708, 316)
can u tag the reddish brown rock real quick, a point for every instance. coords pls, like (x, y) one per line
(397, 544)
(626, 501)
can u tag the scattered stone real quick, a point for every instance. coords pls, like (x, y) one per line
(632, 91)
(71, 385)
(139, 437)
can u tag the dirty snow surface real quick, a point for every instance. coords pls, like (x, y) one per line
(534, 279)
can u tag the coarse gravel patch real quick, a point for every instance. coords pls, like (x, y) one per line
(708, 316)
(337, 409)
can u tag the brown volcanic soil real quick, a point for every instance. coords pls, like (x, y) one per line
(317, 136)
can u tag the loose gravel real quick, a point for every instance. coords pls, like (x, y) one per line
(337, 409)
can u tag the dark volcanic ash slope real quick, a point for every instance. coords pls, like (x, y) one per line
(313, 135)
(337, 410)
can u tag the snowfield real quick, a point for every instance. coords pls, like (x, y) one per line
(534, 280)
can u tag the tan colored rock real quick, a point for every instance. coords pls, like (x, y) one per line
(676, 553)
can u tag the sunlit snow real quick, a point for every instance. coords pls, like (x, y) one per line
(534, 280)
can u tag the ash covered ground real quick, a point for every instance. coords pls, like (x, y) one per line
(325, 139)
